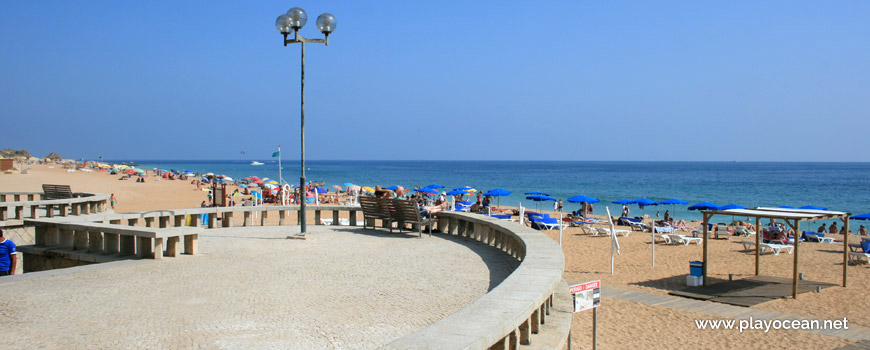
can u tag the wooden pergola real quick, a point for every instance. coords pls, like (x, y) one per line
(793, 218)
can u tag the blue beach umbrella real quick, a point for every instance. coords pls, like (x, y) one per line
(426, 190)
(392, 188)
(644, 202)
(321, 190)
(536, 194)
(813, 207)
(464, 188)
(497, 192)
(435, 186)
(347, 184)
(787, 207)
(865, 216)
(673, 202)
(540, 198)
(581, 198)
(456, 192)
(623, 201)
(704, 206)
(242, 185)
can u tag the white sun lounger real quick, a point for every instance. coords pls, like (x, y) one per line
(589, 230)
(774, 248)
(820, 239)
(664, 237)
(856, 257)
(857, 254)
(684, 240)
(663, 229)
(606, 232)
(635, 226)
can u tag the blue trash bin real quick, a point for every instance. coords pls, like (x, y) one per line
(696, 268)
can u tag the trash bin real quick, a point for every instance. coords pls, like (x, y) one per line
(696, 271)
(696, 268)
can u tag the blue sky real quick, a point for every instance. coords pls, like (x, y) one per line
(452, 80)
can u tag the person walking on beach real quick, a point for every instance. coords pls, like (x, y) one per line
(625, 211)
(112, 200)
(667, 216)
(8, 259)
(559, 207)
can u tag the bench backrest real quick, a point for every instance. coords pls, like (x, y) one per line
(370, 207)
(406, 210)
(57, 192)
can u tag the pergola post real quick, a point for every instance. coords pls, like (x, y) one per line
(845, 248)
(797, 239)
(704, 258)
(758, 234)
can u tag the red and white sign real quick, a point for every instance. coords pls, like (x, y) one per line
(586, 295)
(577, 288)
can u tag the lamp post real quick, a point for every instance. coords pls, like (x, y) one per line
(294, 20)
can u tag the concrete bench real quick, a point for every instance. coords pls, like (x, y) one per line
(143, 242)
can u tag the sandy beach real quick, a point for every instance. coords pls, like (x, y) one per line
(621, 323)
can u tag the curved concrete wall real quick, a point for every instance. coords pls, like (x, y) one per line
(532, 300)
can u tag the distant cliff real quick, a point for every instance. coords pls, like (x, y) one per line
(13, 153)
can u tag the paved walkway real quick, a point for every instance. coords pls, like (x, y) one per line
(346, 288)
(724, 311)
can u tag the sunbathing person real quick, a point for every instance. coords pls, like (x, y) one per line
(833, 228)
(432, 209)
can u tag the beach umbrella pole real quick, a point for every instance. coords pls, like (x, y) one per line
(560, 227)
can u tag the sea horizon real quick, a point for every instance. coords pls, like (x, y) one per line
(841, 186)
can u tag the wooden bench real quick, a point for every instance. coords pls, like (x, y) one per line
(407, 212)
(56, 192)
(375, 208)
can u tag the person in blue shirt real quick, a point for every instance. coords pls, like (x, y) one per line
(8, 259)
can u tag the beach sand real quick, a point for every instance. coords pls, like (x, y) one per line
(621, 323)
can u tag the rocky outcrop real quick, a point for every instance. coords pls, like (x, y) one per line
(13, 153)
(54, 157)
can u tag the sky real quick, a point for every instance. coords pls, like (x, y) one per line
(446, 80)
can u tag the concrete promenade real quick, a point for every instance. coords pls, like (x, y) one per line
(342, 288)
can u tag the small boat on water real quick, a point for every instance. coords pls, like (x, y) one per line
(256, 163)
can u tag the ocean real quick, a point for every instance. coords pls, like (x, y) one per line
(837, 186)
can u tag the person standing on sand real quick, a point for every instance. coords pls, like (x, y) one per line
(625, 211)
(8, 259)
(112, 200)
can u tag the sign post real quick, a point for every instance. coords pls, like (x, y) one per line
(588, 296)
